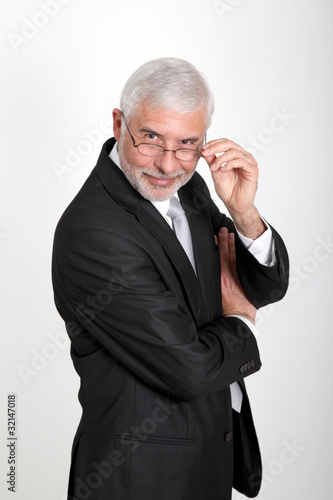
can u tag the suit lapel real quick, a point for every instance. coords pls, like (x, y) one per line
(205, 250)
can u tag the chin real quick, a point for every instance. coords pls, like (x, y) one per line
(156, 193)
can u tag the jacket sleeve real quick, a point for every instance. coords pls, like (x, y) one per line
(111, 295)
(262, 284)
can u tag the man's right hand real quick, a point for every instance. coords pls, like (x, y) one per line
(234, 299)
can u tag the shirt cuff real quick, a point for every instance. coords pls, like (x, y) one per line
(247, 322)
(235, 390)
(263, 248)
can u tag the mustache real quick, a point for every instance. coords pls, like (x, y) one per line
(161, 175)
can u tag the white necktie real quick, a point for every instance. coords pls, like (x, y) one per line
(182, 230)
(181, 227)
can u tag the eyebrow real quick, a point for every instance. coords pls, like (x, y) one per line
(151, 131)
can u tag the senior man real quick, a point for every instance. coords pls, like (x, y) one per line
(140, 257)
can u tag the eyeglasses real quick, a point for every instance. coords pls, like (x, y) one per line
(154, 150)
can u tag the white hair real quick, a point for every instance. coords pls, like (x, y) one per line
(169, 83)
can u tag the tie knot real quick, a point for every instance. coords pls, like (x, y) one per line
(175, 209)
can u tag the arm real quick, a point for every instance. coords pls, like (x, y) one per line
(234, 300)
(235, 175)
(120, 303)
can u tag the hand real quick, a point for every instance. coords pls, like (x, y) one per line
(235, 174)
(234, 299)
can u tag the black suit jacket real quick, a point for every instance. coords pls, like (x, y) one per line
(153, 350)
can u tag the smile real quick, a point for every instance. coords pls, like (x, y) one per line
(160, 182)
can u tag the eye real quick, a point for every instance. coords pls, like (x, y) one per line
(152, 137)
(186, 142)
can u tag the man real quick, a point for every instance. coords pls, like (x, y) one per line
(160, 352)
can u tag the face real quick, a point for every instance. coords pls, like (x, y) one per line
(158, 178)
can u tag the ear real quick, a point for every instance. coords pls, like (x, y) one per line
(117, 120)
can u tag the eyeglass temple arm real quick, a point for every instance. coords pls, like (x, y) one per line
(122, 114)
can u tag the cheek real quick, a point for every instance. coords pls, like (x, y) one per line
(189, 168)
(135, 159)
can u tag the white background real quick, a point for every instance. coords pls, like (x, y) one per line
(62, 74)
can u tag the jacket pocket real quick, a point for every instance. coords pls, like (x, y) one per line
(157, 467)
(156, 439)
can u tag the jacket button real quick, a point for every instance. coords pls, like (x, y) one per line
(228, 436)
(282, 266)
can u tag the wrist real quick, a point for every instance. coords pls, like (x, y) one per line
(249, 315)
(249, 224)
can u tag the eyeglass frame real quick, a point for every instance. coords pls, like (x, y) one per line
(161, 147)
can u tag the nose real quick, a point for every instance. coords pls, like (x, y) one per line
(167, 162)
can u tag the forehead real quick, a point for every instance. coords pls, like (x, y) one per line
(167, 122)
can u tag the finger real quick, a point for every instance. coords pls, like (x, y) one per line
(231, 155)
(210, 150)
(232, 254)
(220, 146)
(224, 143)
(233, 261)
(224, 249)
(248, 171)
(210, 159)
(226, 158)
(234, 154)
(215, 141)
